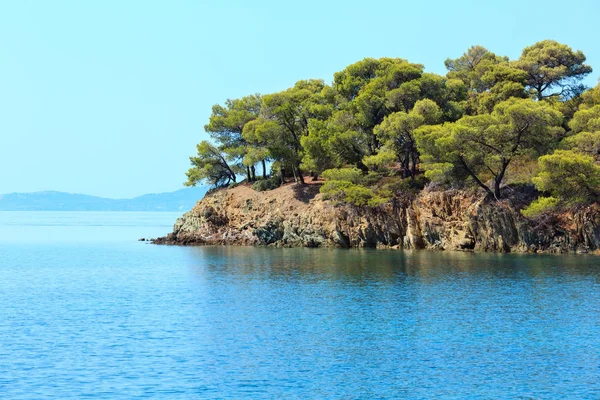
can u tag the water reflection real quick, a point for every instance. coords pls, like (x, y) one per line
(462, 320)
(385, 266)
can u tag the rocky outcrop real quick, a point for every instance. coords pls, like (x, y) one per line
(297, 216)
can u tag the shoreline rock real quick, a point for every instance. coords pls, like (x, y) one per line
(297, 216)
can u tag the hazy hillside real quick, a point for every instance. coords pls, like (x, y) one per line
(180, 200)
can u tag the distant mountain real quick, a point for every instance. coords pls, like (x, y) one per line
(180, 200)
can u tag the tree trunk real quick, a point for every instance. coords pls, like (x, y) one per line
(406, 163)
(540, 95)
(498, 180)
(414, 164)
(282, 172)
(360, 165)
(476, 179)
(248, 174)
(264, 166)
(375, 143)
(300, 177)
(253, 173)
(497, 190)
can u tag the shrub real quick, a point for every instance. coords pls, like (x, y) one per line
(353, 175)
(585, 142)
(370, 179)
(266, 184)
(540, 206)
(398, 185)
(351, 193)
(351, 185)
(569, 176)
(358, 195)
(380, 160)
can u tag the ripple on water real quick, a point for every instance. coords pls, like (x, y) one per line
(115, 318)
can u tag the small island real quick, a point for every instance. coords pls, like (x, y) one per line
(498, 155)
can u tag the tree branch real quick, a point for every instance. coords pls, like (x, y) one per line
(470, 171)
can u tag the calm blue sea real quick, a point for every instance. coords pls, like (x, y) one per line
(87, 311)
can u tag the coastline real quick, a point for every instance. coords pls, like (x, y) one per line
(454, 220)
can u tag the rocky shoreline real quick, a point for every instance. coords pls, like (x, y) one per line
(298, 216)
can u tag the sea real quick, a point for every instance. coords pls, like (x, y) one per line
(89, 312)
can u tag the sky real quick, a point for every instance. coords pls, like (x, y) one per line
(110, 97)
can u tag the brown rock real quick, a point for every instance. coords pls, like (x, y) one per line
(442, 220)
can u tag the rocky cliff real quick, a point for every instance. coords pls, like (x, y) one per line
(298, 216)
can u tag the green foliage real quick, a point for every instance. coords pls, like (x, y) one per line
(344, 140)
(382, 160)
(483, 146)
(291, 111)
(471, 66)
(489, 79)
(333, 143)
(521, 170)
(385, 127)
(550, 66)
(504, 81)
(429, 111)
(591, 98)
(350, 185)
(372, 178)
(586, 119)
(585, 142)
(374, 89)
(352, 175)
(209, 166)
(396, 132)
(227, 123)
(434, 146)
(569, 176)
(402, 186)
(540, 206)
(393, 71)
(348, 192)
(262, 185)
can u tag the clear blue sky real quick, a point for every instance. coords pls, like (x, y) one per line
(110, 97)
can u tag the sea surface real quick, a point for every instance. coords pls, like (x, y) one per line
(88, 312)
